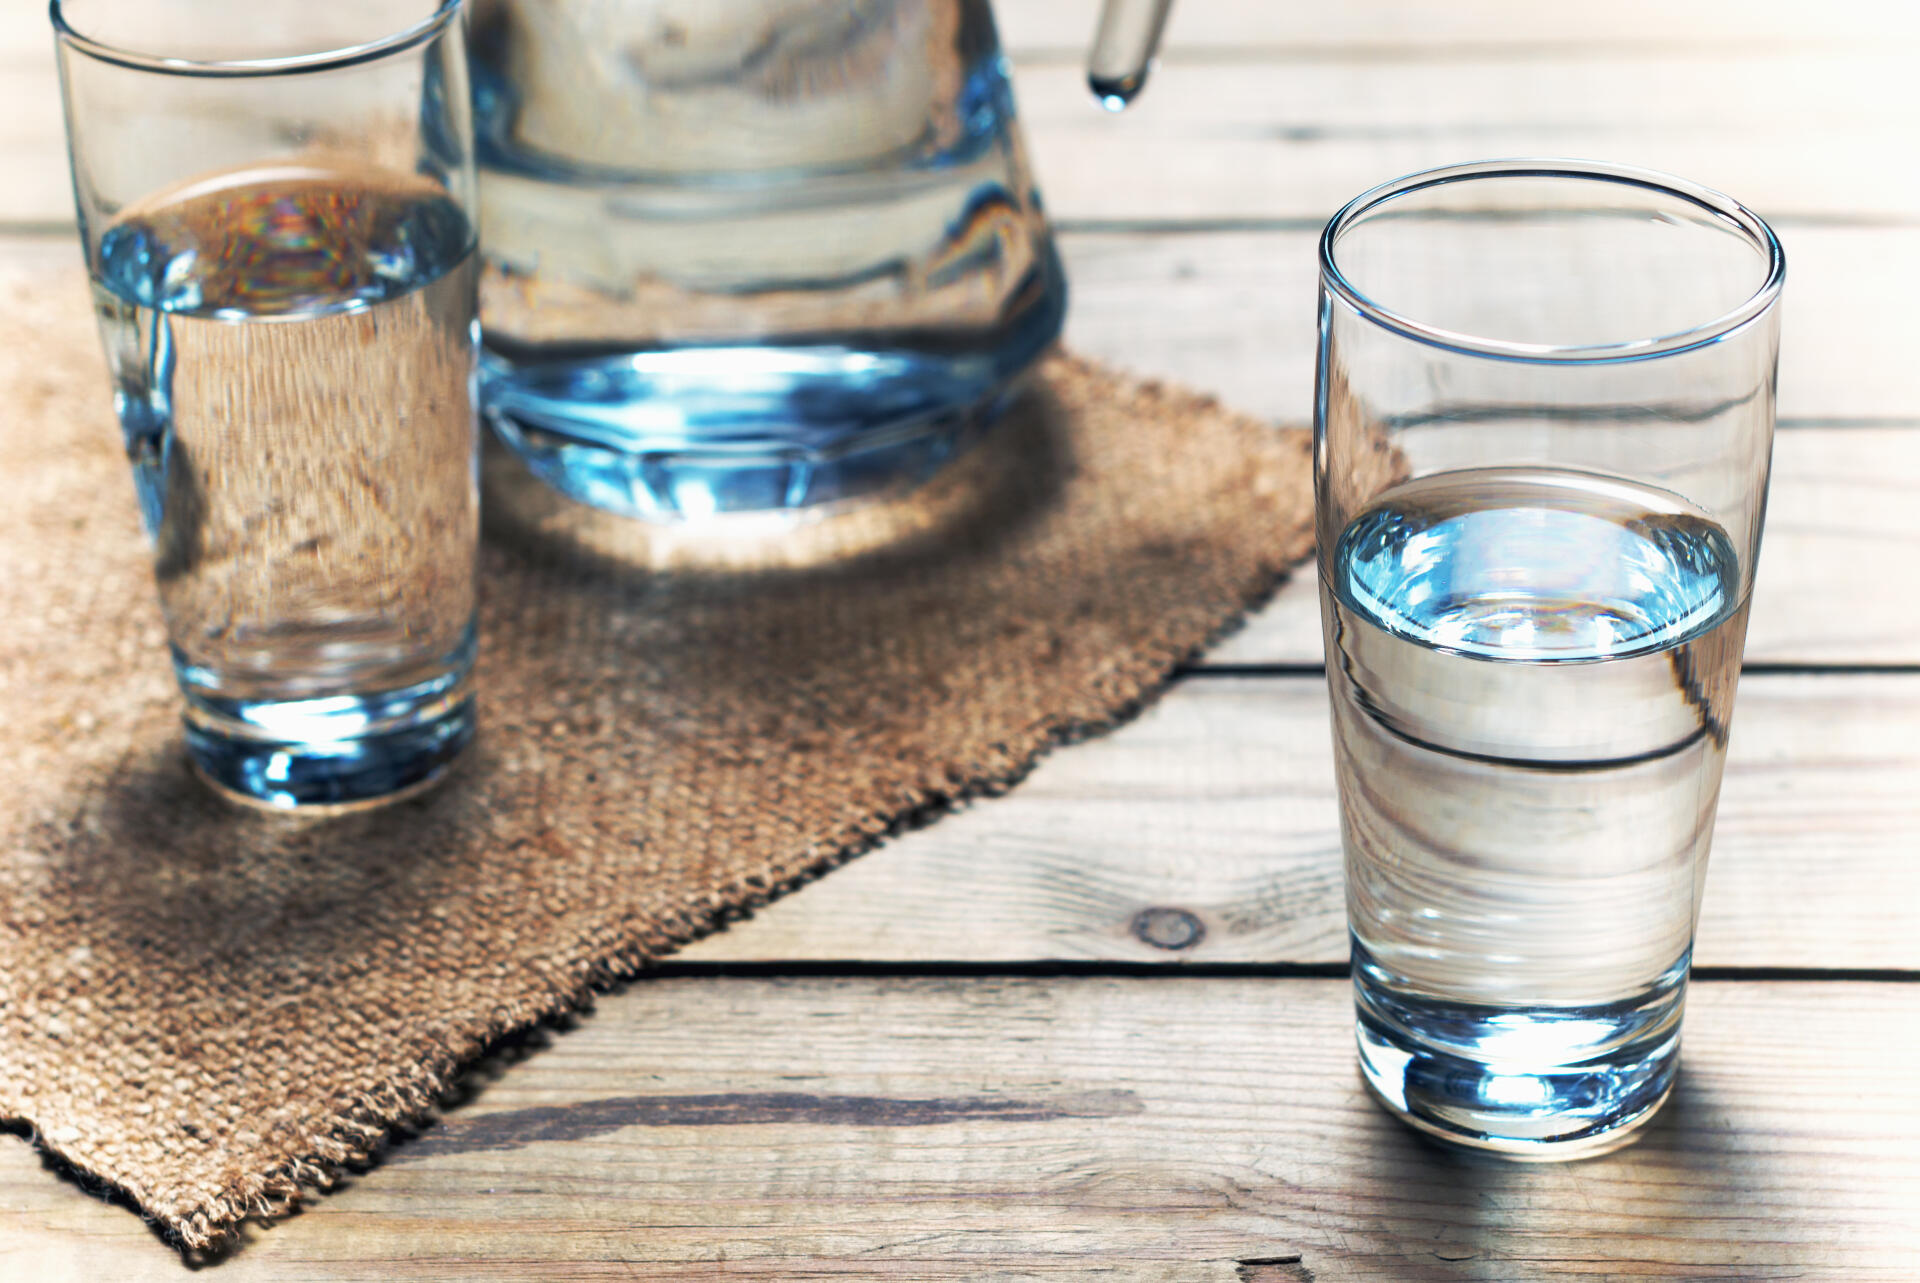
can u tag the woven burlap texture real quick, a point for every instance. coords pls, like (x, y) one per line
(213, 1009)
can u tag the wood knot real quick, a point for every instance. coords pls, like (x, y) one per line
(1169, 928)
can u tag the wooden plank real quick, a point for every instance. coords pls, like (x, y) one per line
(1164, 1129)
(1800, 130)
(1296, 140)
(1044, 875)
(1416, 26)
(1231, 312)
(1207, 831)
(1062, 28)
(32, 130)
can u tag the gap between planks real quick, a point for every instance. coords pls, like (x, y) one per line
(1207, 668)
(1207, 831)
(1084, 968)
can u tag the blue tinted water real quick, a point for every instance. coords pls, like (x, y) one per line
(1532, 675)
(1530, 582)
(292, 354)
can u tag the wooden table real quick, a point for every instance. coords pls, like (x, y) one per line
(1100, 1027)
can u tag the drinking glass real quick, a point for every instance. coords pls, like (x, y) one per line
(1543, 419)
(276, 206)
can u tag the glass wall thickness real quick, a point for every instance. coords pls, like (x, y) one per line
(1543, 416)
(276, 206)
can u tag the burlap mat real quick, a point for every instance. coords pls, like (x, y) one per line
(213, 1009)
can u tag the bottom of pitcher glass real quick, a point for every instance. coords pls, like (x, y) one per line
(1543, 1085)
(701, 430)
(695, 482)
(337, 752)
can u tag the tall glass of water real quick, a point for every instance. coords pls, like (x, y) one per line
(275, 202)
(1544, 421)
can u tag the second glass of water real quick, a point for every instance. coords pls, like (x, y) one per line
(1544, 420)
(275, 203)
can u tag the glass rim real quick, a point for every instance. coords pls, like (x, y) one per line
(1720, 205)
(290, 64)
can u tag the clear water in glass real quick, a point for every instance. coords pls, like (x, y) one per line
(292, 351)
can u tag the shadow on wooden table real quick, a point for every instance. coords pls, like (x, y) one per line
(1690, 1194)
(246, 995)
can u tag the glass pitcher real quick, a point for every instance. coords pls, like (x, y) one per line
(754, 255)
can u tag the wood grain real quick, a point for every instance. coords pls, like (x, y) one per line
(1210, 1129)
(1229, 313)
(1165, 1129)
(1233, 128)
(1419, 27)
(1233, 312)
(1061, 29)
(1218, 807)
(1294, 140)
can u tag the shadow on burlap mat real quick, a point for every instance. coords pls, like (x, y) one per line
(212, 1009)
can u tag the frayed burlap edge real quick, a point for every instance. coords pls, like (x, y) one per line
(354, 1136)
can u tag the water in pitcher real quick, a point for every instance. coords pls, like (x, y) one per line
(1532, 673)
(749, 255)
(292, 355)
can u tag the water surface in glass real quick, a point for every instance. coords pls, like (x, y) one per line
(1544, 417)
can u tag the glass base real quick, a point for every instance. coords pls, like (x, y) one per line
(710, 429)
(339, 775)
(694, 482)
(330, 753)
(1541, 1084)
